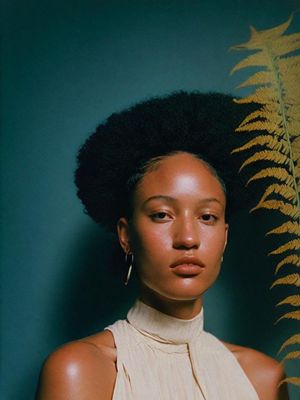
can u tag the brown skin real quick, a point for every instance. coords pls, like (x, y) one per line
(178, 212)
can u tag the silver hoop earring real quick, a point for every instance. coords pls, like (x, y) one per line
(222, 258)
(129, 261)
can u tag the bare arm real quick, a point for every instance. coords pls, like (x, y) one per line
(77, 371)
(266, 376)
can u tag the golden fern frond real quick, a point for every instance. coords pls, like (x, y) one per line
(293, 301)
(284, 208)
(277, 119)
(263, 113)
(275, 89)
(287, 227)
(285, 191)
(291, 67)
(285, 64)
(291, 356)
(296, 145)
(258, 59)
(286, 44)
(292, 88)
(291, 125)
(291, 245)
(269, 117)
(259, 38)
(297, 173)
(273, 172)
(271, 142)
(291, 279)
(293, 117)
(261, 95)
(293, 259)
(270, 111)
(289, 62)
(268, 155)
(294, 128)
(290, 315)
(292, 379)
(260, 125)
(295, 339)
(259, 78)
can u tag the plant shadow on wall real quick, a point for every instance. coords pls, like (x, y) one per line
(93, 293)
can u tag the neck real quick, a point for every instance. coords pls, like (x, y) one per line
(182, 309)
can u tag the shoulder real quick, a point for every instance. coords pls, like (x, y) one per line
(263, 371)
(83, 369)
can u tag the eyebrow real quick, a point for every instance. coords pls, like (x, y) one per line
(170, 199)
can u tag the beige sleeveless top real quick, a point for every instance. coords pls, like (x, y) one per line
(160, 357)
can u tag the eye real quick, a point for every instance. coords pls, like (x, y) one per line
(209, 218)
(160, 216)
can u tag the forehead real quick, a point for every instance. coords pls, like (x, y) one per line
(180, 174)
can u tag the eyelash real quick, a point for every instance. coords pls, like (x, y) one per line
(209, 215)
(156, 217)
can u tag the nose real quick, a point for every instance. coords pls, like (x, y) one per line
(186, 234)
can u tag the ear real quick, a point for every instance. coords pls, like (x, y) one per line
(226, 236)
(123, 234)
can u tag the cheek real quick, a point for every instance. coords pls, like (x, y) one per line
(213, 249)
(148, 241)
(214, 241)
(151, 253)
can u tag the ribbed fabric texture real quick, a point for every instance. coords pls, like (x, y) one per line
(160, 357)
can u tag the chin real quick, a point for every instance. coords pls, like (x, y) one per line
(185, 296)
(180, 289)
(187, 293)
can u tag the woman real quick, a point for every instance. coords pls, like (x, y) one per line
(151, 173)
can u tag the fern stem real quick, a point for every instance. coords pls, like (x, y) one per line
(279, 87)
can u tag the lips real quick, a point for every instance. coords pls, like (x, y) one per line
(187, 266)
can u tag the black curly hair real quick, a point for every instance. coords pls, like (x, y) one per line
(112, 160)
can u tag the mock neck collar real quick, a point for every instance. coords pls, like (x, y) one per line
(163, 327)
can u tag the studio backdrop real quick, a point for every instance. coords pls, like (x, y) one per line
(66, 66)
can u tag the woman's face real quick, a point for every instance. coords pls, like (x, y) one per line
(178, 231)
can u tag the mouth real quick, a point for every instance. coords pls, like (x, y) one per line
(187, 266)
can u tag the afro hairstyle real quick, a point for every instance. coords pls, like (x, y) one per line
(198, 123)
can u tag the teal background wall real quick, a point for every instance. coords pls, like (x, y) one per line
(66, 65)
